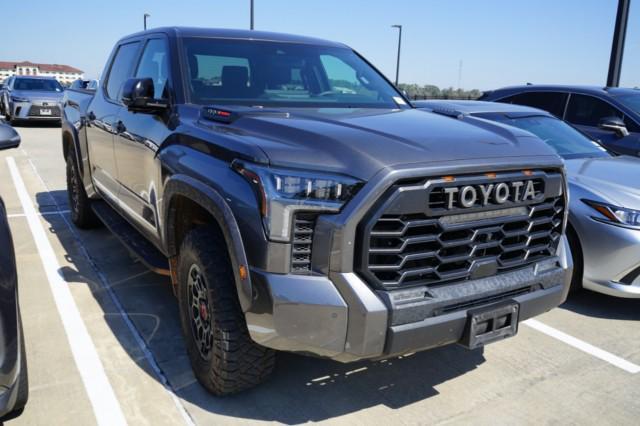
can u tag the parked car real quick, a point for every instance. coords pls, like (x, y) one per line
(32, 98)
(294, 215)
(14, 386)
(604, 210)
(609, 114)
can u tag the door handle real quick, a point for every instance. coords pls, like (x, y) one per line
(120, 127)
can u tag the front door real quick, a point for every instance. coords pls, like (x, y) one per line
(139, 138)
(102, 122)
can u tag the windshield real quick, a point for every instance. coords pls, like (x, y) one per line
(283, 74)
(630, 101)
(39, 84)
(567, 141)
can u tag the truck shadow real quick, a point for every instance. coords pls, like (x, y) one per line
(301, 389)
(598, 305)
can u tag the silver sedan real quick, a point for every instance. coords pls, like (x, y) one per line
(32, 98)
(604, 209)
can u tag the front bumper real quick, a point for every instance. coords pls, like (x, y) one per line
(611, 258)
(26, 111)
(342, 318)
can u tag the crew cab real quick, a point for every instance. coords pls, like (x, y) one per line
(300, 203)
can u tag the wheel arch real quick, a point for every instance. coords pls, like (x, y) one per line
(202, 199)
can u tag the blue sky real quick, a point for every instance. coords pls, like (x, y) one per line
(499, 42)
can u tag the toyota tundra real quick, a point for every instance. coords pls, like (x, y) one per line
(298, 202)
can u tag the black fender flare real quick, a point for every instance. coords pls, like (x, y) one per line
(210, 200)
(71, 130)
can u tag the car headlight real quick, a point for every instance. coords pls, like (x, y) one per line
(19, 99)
(282, 192)
(615, 215)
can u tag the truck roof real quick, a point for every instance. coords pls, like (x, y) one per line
(180, 32)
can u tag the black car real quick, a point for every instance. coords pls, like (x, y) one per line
(14, 387)
(609, 114)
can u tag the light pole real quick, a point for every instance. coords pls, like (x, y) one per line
(251, 24)
(399, 27)
(146, 15)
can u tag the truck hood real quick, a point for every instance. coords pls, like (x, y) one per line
(360, 142)
(611, 179)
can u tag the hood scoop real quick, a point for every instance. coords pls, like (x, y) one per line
(229, 113)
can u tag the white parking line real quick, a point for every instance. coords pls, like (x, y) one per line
(105, 405)
(57, 212)
(612, 359)
(126, 316)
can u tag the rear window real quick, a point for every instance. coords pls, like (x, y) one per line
(553, 102)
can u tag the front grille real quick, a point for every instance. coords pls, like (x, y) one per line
(435, 247)
(36, 111)
(303, 226)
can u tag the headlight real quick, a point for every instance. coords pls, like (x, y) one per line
(616, 215)
(19, 99)
(281, 193)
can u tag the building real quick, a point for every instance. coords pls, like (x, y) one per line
(63, 73)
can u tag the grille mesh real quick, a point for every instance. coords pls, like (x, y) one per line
(404, 250)
(303, 225)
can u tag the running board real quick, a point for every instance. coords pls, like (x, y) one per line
(138, 245)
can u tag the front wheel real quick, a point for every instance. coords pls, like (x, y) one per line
(224, 358)
(578, 263)
(81, 214)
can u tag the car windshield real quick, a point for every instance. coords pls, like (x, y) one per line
(630, 101)
(568, 142)
(39, 84)
(263, 73)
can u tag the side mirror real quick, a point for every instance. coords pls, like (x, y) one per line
(138, 95)
(614, 124)
(9, 138)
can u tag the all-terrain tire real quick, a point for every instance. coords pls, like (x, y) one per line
(81, 214)
(224, 358)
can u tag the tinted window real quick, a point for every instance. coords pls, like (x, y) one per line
(588, 111)
(564, 139)
(155, 65)
(121, 68)
(39, 84)
(552, 102)
(283, 74)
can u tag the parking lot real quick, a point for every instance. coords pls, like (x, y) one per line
(123, 355)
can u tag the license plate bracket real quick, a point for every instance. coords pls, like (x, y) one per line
(491, 324)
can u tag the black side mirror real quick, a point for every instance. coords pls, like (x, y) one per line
(614, 124)
(9, 138)
(138, 95)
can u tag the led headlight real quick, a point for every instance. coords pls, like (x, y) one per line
(19, 99)
(282, 192)
(616, 215)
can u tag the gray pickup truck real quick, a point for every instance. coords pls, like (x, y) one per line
(300, 203)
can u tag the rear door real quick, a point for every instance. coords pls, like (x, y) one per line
(102, 121)
(138, 139)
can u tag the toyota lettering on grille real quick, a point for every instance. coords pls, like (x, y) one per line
(481, 195)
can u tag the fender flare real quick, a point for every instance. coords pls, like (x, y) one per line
(210, 200)
(68, 129)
